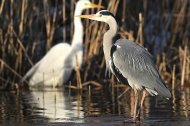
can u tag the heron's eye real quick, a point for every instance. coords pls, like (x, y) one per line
(85, 4)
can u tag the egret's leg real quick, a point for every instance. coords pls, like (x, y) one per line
(141, 103)
(136, 104)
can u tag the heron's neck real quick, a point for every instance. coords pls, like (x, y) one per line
(107, 40)
(78, 29)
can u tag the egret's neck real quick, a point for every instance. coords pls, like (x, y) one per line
(78, 28)
(107, 40)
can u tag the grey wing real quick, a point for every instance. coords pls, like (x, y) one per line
(137, 65)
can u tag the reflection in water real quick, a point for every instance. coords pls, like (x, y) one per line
(58, 106)
(97, 106)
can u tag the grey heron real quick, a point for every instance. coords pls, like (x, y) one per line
(130, 63)
(56, 66)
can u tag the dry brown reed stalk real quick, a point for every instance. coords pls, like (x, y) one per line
(18, 50)
(173, 78)
(1, 7)
(178, 23)
(124, 92)
(5, 83)
(79, 99)
(2, 73)
(188, 68)
(89, 91)
(23, 48)
(50, 24)
(88, 33)
(88, 83)
(9, 68)
(112, 80)
(125, 34)
(96, 44)
(140, 31)
(183, 69)
(12, 47)
(2, 50)
(166, 76)
(86, 39)
(33, 48)
(123, 13)
(72, 8)
(23, 20)
(91, 42)
(64, 19)
(10, 27)
(78, 76)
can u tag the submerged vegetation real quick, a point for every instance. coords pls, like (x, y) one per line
(28, 29)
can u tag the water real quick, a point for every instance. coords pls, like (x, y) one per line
(90, 107)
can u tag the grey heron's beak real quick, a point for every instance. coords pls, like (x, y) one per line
(91, 16)
(94, 6)
(94, 17)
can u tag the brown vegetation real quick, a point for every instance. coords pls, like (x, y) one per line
(29, 28)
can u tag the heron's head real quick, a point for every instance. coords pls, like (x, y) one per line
(85, 4)
(103, 16)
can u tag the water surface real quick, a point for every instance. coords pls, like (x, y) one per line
(91, 107)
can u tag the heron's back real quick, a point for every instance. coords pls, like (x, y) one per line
(136, 64)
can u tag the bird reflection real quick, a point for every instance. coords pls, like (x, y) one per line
(58, 106)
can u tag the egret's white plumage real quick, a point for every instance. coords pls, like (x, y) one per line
(56, 66)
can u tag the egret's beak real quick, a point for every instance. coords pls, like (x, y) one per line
(94, 6)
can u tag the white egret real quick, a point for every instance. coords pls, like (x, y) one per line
(56, 66)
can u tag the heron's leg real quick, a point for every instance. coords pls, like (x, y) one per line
(143, 97)
(133, 120)
(141, 103)
(136, 104)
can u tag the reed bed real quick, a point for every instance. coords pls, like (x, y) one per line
(28, 29)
